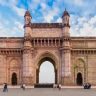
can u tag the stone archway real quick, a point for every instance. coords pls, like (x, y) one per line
(39, 64)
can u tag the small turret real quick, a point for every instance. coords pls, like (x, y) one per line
(65, 18)
(27, 25)
(27, 18)
(65, 24)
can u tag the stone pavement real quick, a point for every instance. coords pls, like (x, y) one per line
(49, 92)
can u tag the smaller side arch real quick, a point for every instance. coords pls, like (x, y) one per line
(14, 66)
(14, 79)
(79, 79)
(79, 68)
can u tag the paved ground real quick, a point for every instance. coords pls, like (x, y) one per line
(49, 92)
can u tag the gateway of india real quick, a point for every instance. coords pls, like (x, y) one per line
(73, 58)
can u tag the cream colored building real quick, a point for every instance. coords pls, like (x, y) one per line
(73, 58)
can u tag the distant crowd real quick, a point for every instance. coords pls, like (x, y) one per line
(85, 85)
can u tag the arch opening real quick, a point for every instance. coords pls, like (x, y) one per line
(14, 79)
(46, 72)
(79, 79)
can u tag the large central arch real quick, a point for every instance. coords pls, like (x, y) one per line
(46, 73)
(46, 58)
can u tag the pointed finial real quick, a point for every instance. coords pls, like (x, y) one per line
(27, 13)
(65, 13)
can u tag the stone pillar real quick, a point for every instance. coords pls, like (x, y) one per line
(65, 62)
(65, 67)
(27, 64)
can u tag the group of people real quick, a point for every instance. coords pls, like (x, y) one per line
(5, 88)
(87, 86)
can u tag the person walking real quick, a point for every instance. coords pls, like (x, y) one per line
(5, 87)
(59, 86)
(23, 86)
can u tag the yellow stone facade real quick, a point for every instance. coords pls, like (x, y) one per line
(73, 58)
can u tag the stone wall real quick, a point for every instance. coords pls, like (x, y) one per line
(84, 49)
(92, 69)
(11, 42)
(83, 42)
(46, 32)
(10, 59)
(3, 71)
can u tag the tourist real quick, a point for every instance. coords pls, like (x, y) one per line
(23, 86)
(87, 86)
(5, 87)
(54, 85)
(59, 86)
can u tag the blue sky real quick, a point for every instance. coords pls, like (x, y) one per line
(82, 15)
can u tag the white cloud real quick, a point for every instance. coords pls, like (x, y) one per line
(19, 11)
(8, 2)
(33, 4)
(93, 20)
(48, 18)
(75, 2)
(78, 2)
(83, 26)
(8, 30)
(49, 15)
(43, 6)
(16, 29)
(59, 20)
(12, 5)
(19, 26)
